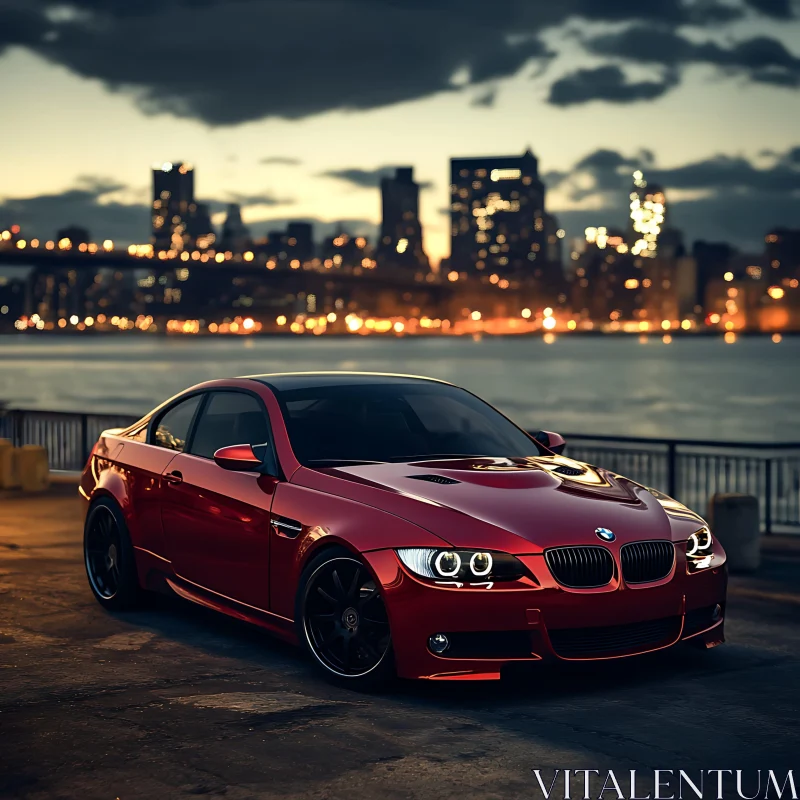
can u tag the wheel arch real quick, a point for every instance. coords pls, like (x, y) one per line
(376, 675)
(127, 587)
(325, 545)
(113, 487)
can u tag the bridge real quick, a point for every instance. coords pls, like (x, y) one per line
(56, 284)
(43, 260)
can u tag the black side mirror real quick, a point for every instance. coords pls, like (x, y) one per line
(552, 441)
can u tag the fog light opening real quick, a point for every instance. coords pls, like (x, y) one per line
(716, 614)
(438, 643)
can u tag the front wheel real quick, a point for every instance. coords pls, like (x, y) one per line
(108, 557)
(342, 620)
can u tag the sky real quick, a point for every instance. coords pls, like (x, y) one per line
(295, 108)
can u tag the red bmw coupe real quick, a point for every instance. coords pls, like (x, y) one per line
(393, 525)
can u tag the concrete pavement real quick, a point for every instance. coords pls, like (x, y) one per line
(176, 701)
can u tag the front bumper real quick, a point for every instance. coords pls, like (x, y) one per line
(528, 621)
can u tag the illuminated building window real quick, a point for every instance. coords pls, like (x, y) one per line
(510, 174)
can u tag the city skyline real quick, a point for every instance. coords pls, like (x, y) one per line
(705, 108)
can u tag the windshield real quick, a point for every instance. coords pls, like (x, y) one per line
(396, 422)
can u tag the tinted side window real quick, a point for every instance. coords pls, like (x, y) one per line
(173, 428)
(229, 418)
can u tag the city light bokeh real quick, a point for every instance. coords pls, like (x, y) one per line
(508, 273)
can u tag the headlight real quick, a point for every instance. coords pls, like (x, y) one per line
(468, 566)
(698, 550)
(699, 542)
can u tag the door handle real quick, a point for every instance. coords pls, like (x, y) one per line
(174, 478)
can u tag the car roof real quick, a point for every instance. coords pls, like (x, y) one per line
(287, 381)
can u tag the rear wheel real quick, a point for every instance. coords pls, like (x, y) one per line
(342, 620)
(108, 557)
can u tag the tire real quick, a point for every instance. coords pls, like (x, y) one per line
(342, 622)
(108, 558)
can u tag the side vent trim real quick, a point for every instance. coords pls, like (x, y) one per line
(288, 528)
(434, 479)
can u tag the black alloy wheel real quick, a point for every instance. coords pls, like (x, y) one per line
(108, 556)
(344, 620)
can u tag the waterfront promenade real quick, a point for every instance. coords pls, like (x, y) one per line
(175, 701)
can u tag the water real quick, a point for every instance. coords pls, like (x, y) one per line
(695, 388)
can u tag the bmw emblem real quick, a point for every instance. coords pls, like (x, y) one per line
(605, 534)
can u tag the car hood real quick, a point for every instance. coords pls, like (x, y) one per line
(520, 505)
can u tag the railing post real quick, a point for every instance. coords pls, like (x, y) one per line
(672, 469)
(768, 496)
(84, 439)
(19, 420)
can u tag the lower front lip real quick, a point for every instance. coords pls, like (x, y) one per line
(418, 611)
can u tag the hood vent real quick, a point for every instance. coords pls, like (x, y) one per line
(565, 470)
(434, 479)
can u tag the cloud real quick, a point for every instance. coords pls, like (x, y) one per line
(87, 205)
(791, 157)
(608, 172)
(349, 55)
(725, 173)
(740, 220)
(485, 99)
(367, 178)
(19, 26)
(611, 161)
(673, 12)
(738, 201)
(780, 9)
(602, 171)
(761, 59)
(281, 160)
(608, 84)
(259, 199)
(308, 68)
(94, 203)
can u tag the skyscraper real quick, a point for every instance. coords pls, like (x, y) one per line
(713, 260)
(173, 205)
(235, 235)
(783, 255)
(401, 232)
(292, 247)
(200, 230)
(300, 240)
(648, 216)
(498, 221)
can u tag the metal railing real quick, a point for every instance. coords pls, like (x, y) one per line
(693, 471)
(68, 437)
(690, 471)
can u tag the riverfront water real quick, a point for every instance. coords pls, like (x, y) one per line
(695, 387)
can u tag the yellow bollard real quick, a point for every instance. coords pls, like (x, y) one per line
(7, 476)
(32, 470)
